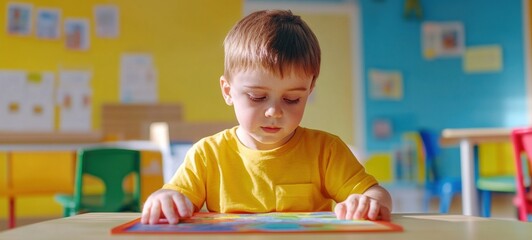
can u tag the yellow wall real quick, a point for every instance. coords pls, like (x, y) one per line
(185, 38)
(331, 106)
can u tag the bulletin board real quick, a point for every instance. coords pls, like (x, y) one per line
(185, 57)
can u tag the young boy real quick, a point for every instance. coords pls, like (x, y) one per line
(268, 162)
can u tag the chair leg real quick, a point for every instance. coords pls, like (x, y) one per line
(11, 203)
(426, 201)
(485, 203)
(69, 212)
(445, 203)
(519, 215)
(66, 212)
(521, 209)
(446, 196)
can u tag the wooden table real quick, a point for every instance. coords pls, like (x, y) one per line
(416, 226)
(468, 138)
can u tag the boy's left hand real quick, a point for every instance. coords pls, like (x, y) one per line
(359, 206)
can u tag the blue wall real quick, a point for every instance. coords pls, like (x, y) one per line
(438, 93)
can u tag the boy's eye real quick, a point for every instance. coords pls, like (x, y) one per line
(256, 98)
(291, 101)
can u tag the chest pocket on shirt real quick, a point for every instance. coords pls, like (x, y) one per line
(297, 197)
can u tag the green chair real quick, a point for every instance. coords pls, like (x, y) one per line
(487, 185)
(112, 166)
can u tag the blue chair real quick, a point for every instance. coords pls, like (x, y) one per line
(436, 184)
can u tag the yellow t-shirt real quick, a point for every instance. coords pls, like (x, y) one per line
(306, 174)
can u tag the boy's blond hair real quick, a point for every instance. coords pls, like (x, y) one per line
(274, 40)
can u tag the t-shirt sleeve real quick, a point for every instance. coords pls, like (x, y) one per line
(344, 174)
(189, 177)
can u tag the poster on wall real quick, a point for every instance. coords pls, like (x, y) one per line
(483, 59)
(26, 101)
(19, 18)
(385, 85)
(382, 128)
(47, 23)
(11, 99)
(74, 97)
(38, 114)
(442, 39)
(138, 78)
(77, 34)
(106, 17)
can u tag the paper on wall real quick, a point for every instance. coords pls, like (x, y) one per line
(483, 59)
(442, 39)
(138, 79)
(38, 110)
(106, 17)
(19, 18)
(47, 23)
(26, 101)
(386, 84)
(74, 97)
(11, 98)
(77, 33)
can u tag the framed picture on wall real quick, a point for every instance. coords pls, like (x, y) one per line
(442, 39)
(77, 33)
(19, 18)
(47, 23)
(106, 17)
(385, 84)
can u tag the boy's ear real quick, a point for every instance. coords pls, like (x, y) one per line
(312, 85)
(226, 91)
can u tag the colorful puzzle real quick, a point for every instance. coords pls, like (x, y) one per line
(258, 223)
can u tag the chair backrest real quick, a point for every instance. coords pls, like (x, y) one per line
(431, 146)
(111, 166)
(522, 143)
(414, 156)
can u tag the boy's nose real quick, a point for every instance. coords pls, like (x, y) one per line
(274, 111)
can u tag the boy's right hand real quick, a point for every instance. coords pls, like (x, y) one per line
(166, 203)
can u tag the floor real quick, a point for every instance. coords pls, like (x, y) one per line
(502, 208)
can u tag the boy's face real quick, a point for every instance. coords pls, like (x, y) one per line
(268, 108)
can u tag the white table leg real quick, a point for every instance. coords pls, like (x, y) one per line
(469, 192)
